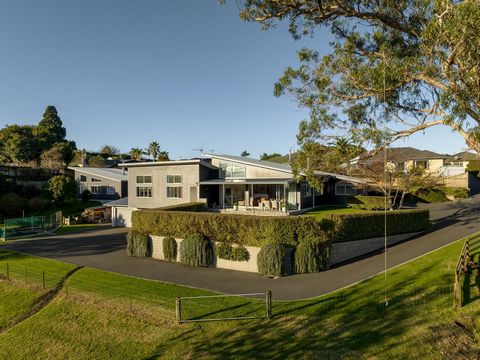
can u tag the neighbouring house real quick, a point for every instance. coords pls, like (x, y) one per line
(103, 183)
(228, 183)
(404, 158)
(462, 159)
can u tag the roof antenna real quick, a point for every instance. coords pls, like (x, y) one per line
(200, 149)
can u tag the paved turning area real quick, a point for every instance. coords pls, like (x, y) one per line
(104, 248)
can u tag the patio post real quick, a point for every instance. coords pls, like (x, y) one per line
(223, 196)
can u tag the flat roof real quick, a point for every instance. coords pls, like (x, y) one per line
(119, 202)
(170, 162)
(108, 173)
(265, 181)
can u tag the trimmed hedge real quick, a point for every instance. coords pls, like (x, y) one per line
(170, 248)
(367, 202)
(312, 256)
(233, 253)
(358, 226)
(231, 228)
(193, 206)
(138, 244)
(195, 250)
(275, 260)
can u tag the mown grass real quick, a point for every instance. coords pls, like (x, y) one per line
(322, 211)
(68, 208)
(65, 229)
(15, 300)
(418, 323)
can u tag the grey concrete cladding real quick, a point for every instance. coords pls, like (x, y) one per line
(108, 183)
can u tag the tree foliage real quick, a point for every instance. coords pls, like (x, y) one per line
(266, 156)
(395, 68)
(50, 129)
(60, 188)
(245, 154)
(109, 150)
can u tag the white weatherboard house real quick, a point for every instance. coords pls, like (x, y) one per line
(227, 183)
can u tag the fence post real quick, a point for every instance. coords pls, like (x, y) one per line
(269, 303)
(130, 299)
(178, 303)
(43, 280)
(26, 275)
(457, 292)
(8, 272)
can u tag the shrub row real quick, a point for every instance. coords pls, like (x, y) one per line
(193, 206)
(233, 253)
(195, 250)
(349, 227)
(231, 228)
(367, 202)
(138, 244)
(170, 248)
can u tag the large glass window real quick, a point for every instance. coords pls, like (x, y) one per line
(95, 190)
(174, 192)
(174, 179)
(345, 189)
(305, 189)
(110, 190)
(95, 180)
(144, 186)
(83, 178)
(144, 179)
(174, 187)
(232, 170)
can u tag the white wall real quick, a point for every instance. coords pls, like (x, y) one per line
(122, 216)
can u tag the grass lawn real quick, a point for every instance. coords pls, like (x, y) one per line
(354, 323)
(64, 229)
(68, 208)
(326, 210)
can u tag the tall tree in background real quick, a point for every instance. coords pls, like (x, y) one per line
(153, 150)
(136, 153)
(18, 144)
(245, 154)
(109, 150)
(266, 156)
(396, 67)
(50, 129)
(163, 156)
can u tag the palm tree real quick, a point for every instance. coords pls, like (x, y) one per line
(153, 149)
(136, 153)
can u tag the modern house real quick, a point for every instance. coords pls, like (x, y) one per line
(404, 158)
(103, 183)
(228, 183)
(462, 159)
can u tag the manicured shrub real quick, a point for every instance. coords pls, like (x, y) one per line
(233, 253)
(312, 256)
(138, 244)
(432, 195)
(367, 202)
(170, 248)
(275, 260)
(357, 226)
(195, 250)
(230, 228)
(456, 192)
(193, 206)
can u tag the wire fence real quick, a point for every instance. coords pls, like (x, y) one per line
(30, 225)
(224, 307)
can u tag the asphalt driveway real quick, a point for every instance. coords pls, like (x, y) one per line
(104, 248)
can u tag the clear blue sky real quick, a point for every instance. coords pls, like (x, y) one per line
(183, 73)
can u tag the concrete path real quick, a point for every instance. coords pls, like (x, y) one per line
(105, 249)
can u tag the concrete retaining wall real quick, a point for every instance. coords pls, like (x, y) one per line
(348, 250)
(249, 266)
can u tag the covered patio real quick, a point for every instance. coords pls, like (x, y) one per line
(252, 195)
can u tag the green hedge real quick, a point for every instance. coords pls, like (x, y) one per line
(367, 202)
(312, 256)
(357, 226)
(170, 248)
(138, 244)
(193, 206)
(233, 253)
(195, 250)
(275, 260)
(230, 228)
